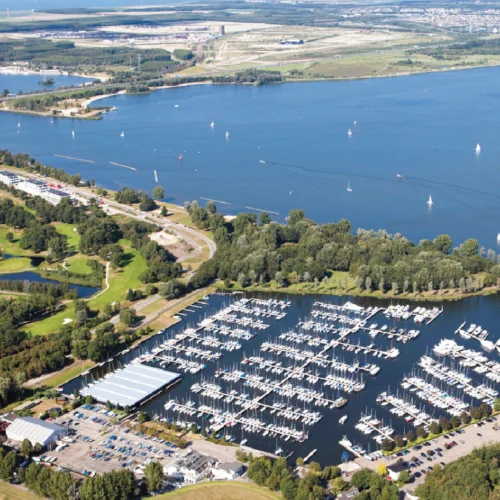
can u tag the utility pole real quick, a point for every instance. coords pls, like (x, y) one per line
(139, 62)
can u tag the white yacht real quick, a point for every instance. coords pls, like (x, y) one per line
(342, 420)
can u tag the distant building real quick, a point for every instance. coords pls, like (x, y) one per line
(348, 494)
(8, 178)
(35, 430)
(54, 196)
(192, 468)
(222, 30)
(394, 471)
(33, 187)
(228, 470)
(292, 42)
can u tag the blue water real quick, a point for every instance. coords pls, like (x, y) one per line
(325, 435)
(83, 291)
(17, 84)
(424, 127)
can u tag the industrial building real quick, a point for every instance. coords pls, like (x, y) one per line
(131, 385)
(35, 430)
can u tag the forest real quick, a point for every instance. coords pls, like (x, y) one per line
(67, 55)
(251, 253)
(475, 476)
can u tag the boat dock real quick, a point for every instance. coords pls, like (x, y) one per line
(402, 408)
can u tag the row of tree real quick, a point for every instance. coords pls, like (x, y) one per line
(304, 251)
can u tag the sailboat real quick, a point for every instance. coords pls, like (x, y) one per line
(429, 201)
(355, 122)
(349, 187)
(180, 157)
(349, 133)
(227, 135)
(399, 176)
(122, 134)
(18, 124)
(342, 420)
(478, 148)
(73, 134)
(212, 125)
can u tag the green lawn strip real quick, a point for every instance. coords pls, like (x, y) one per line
(52, 323)
(122, 279)
(11, 247)
(11, 492)
(14, 265)
(78, 264)
(62, 376)
(73, 237)
(215, 490)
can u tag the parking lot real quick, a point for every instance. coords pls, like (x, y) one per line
(100, 446)
(442, 450)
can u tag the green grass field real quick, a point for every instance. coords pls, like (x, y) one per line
(52, 323)
(11, 492)
(14, 265)
(78, 264)
(221, 490)
(10, 247)
(72, 237)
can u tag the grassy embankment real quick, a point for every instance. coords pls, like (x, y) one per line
(337, 286)
(221, 490)
(11, 492)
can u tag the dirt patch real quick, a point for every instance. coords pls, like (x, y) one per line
(172, 243)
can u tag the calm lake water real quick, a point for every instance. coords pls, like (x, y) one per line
(28, 83)
(83, 291)
(424, 127)
(325, 435)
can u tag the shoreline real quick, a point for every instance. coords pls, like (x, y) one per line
(353, 293)
(90, 100)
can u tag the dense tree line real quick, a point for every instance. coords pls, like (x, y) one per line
(304, 251)
(55, 290)
(476, 476)
(25, 162)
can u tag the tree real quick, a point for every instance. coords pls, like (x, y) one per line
(288, 489)
(26, 448)
(211, 208)
(399, 441)
(314, 467)
(164, 211)
(362, 479)
(443, 243)
(147, 204)
(469, 248)
(404, 477)
(9, 236)
(434, 427)
(387, 444)
(475, 413)
(173, 289)
(295, 215)
(330, 472)
(496, 405)
(265, 218)
(455, 421)
(485, 410)
(382, 469)
(259, 470)
(410, 436)
(338, 485)
(299, 461)
(153, 472)
(128, 316)
(421, 432)
(465, 418)
(158, 193)
(444, 423)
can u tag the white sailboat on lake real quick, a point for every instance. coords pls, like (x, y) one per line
(212, 125)
(227, 135)
(349, 133)
(478, 148)
(429, 201)
(73, 134)
(122, 135)
(349, 187)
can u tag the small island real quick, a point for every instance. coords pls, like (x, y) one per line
(47, 81)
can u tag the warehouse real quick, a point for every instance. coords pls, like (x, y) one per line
(130, 385)
(35, 430)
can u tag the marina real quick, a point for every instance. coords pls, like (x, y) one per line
(273, 374)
